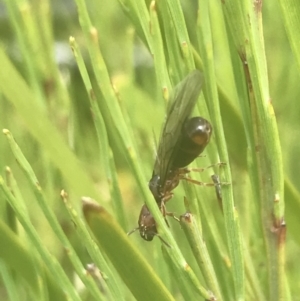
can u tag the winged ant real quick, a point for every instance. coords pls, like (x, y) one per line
(182, 140)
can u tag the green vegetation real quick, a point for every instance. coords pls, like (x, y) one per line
(83, 87)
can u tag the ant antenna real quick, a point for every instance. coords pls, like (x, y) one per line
(132, 231)
(163, 241)
(156, 234)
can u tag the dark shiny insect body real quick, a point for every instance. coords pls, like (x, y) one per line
(182, 140)
(195, 135)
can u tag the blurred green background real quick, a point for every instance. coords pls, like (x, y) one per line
(49, 68)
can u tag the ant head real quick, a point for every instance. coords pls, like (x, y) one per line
(147, 226)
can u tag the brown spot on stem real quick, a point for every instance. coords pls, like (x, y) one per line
(212, 297)
(243, 58)
(279, 229)
(186, 217)
(282, 233)
(258, 6)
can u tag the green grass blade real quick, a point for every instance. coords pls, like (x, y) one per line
(50, 216)
(230, 216)
(200, 252)
(186, 280)
(265, 134)
(182, 34)
(108, 165)
(290, 12)
(54, 267)
(41, 128)
(86, 125)
(18, 256)
(9, 282)
(138, 275)
(112, 288)
(112, 115)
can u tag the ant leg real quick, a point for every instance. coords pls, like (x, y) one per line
(173, 215)
(163, 241)
(205, 168)
(167, 197)
(166, 213)
(203, 183)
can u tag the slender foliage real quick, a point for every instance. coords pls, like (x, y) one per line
(84, 85)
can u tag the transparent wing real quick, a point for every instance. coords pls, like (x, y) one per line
(183, 100)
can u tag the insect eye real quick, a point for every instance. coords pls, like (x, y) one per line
(148, 236)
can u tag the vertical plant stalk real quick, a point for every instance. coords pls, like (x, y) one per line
(245, 22)
(182, 33)
(199, 249)
(108, 165)
(231, 219)
(290, 12)
(268, 155)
